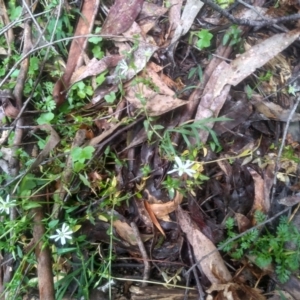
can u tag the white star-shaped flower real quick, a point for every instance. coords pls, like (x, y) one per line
(63, 234)
(182, 168)
(6, 205)
(123, 67)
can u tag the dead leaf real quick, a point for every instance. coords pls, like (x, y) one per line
(213, 265)
(156, 102)
(218, 86)
(234, 291)
(243, 222)
(237, 111)
(149, 14)
(95, 67)
(271, 110)
(261, 201)
(210, 104)
(96, 140)
(125, 232)
(190, 11)
(162, 210)
(290, 200)
(6, 100)
(153, 218)
(258, 55)
(52, 142)
(121, 16)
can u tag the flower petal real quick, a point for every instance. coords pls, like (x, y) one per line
(178, 161)
(54, 236)
(180, 172)
(188, 164)
(62, 240)
(190, 172)
(172, 171)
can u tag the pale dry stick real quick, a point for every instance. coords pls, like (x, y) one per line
(36, 23)
(259, 14)
(143, 253)
(290, 117)
(153, 282)
(237, 237)
(9, 35)
(13, 23)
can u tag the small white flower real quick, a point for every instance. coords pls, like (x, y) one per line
(63, 234)
(183, 167)
(6, 205)
(123, 67)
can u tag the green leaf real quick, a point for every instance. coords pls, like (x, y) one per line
(52, 224)
(87, 152)
(192, 72)
(34, 65)
(64, 250)
(204, 39)
(78, 166)
(84, 180)
(15, 13)
(101, 78)
(110, 98)
(95, 39)
(45, 118)
(225, 38)
(30, 205)
(97, 52)
(158, 127)
(76, 153)
(81, 94)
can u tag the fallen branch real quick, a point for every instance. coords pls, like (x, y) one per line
(248, 22)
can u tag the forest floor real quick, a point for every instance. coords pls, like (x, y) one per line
(149, 149)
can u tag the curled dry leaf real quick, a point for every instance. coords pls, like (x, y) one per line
(213, 265)
(162, 210)
(153, 218)
(261, 200)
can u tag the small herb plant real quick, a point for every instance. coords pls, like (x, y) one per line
(281, 248)
(203, 38)
(232, 35)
